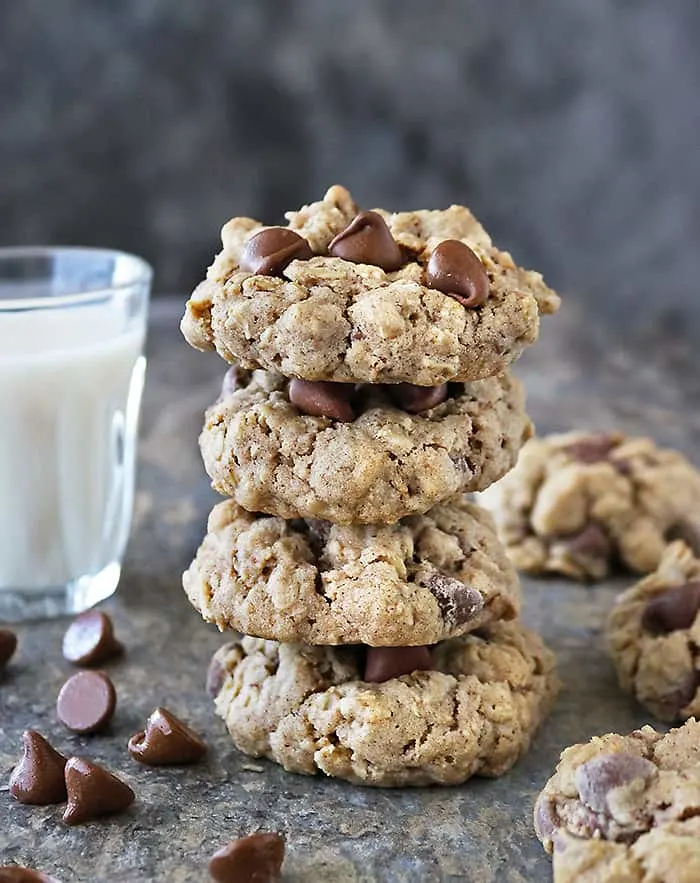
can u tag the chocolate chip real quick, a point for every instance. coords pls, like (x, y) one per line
(271, 250)
(672, 610)
(687, 531)
(323, 399)
(676, 700)
(254, 859)
(38, 777)
(86, 702)
(89, 640)
(384, 663)
(93, 792)
(455, 270)
(367, 240)
(8, 645)
(414, 399)
(166, 740)
(318, 532)
(19, 874)
(458, 602)
(589, 544)
(546, 820)
(216, 675)
(596, 778)
(593, 448)
(234, 379)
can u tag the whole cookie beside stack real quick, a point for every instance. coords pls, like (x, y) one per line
(369, 392)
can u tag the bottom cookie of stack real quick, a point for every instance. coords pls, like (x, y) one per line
(309, 709)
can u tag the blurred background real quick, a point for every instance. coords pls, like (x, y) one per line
(572, 129)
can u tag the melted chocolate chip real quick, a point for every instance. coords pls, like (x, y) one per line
(367, 240)
(323, 399)
(86, 702)
(596, 778)
(384, 663)
(593, 448)
(458, 602)
(38, 777)
(672, 610)
(90, 640)
(591, 543)
(166, 740)
(271, 250)
(93, 792)
(254, 859)
(414, 399)
(455, 270)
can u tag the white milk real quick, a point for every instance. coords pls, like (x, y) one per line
(67, 440)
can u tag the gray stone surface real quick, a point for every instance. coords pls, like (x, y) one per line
(480, 832)
(571, 127)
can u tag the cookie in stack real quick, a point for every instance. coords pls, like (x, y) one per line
(370, 393)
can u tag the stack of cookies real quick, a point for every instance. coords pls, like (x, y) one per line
(370, 393)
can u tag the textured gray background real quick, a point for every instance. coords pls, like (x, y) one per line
(572, 128)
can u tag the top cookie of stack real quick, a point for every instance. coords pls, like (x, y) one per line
(352, 296)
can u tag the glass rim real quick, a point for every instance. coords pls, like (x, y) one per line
(142, 275)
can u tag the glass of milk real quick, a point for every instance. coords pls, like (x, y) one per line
(72, 332)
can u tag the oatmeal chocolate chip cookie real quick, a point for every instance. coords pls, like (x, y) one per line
(342, 295)
(308, 708)
(579, 503)
(261, 449)
(633, 792)
(654, 637)
(424, 579)
(669, 854)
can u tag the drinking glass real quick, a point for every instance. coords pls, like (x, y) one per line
(72, 369)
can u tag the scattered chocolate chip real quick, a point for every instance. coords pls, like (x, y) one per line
(323, 399)
(166, 740)
(589, 544)
(593, 448)
(367, 240)
(271, 250)
(687, 531)
(673, 609)
(455, 270)
(458, 602)
(86, 702)
(8, 645)
(414, 399)
(93, 792)
(254, 859)
(216, 675)
(596, 778)
(38, 777)
(384, 663)
(89, 640)
(19, 874)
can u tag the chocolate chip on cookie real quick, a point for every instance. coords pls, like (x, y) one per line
(601, 775)
(384, 663)
(323, 399)
(367, 240)
(166, 740)
(86, 702)
(673, 609)
(216, 675)
(414, 399)
(594, 448)
(21, 874)
(256, 858)
(235, 378)
(688, 531)
(8, 645)
(458, 603)
(38, 777)
(589, 546)
(93, 792)
(268, 252)
(454, 269)
(89, 640)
